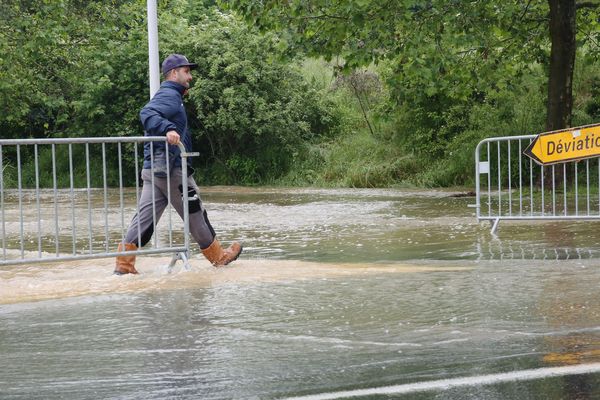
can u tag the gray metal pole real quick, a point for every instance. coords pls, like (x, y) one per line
(153, 60)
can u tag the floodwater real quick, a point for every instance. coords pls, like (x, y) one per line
(339, 294)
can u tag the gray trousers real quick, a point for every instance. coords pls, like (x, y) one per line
(200, 227)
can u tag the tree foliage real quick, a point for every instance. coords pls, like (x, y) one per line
(63, 64)
(71, 68)
(439, 75)
(437, 43)
(442, 57)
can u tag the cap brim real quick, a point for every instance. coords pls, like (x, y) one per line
(191, 65)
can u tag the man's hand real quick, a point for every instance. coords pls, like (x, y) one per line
(173, 137)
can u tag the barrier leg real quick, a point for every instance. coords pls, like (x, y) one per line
(179, 256)
(495, 226)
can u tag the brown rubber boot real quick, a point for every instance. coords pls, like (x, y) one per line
(125, 264)
(219, 256)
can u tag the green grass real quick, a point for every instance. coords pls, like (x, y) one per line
(357, 159)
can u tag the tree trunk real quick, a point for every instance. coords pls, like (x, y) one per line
(560, 80)
(562, 64)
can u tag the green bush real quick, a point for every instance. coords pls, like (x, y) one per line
(251, 114)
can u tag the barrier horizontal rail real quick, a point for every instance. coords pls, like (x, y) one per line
(511, 186)
(40, 220)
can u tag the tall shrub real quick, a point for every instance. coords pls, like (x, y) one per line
(251, 113)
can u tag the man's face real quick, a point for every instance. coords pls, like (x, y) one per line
(182, 75)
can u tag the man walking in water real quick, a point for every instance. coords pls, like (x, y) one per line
(165, 116)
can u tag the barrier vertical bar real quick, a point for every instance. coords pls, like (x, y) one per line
(520, 180)
(565, 188)
(477, 182)
(137, 192)
(499, 182)
(105, 185)
(509, 181)
(530, 184)
(587, 184)
(542, 180)
(37, 199)
(185, 198)
(71, 185)
(121, 192)
(89, 194)
(19, 186)
(576, 191)
(54, 184)
(2, 203)
(186, 218)
(167, 152)
(152, 177)
(489, 180)
(553, 191)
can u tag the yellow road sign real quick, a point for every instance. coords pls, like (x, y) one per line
(565, 145)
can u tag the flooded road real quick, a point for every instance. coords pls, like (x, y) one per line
(338, 294)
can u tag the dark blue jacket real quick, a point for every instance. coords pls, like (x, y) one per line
(163, 113)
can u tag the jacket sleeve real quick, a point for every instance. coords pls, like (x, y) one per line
(155, 116)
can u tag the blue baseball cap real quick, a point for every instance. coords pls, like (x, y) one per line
(175, 61)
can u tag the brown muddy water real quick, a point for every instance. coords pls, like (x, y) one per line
(339, 294)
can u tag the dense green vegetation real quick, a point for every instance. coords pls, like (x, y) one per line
(304, 95)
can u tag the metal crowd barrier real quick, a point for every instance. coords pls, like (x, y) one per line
(511, 186)
(58, 221)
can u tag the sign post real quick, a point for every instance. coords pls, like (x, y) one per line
(565, 145)
(153, 61)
